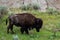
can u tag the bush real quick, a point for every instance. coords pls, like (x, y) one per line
(30, 7)
(25, 7)
(35, 6)
(52, 11)
(3, 11)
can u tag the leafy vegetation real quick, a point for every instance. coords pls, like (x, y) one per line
(52, 11)
(30, 7)
(3, 11)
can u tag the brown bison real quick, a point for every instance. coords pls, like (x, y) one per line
(25, 21)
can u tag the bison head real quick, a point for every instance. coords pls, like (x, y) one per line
(38, 24)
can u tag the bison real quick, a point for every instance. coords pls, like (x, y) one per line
(25, 21)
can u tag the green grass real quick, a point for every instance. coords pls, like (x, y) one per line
(50, 22)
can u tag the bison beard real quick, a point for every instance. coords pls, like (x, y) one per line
(25, 20)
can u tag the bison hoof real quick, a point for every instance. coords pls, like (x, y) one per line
(12, 32)
(7, 32)
(27, 33)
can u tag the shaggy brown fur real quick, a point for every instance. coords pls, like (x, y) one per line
(25, 20)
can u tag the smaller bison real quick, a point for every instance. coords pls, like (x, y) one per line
(25, 21)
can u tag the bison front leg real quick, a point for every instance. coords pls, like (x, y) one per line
(26, 30)
(22, 30)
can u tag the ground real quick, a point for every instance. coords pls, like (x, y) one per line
(47, 32)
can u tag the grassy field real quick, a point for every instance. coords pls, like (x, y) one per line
(47, 32)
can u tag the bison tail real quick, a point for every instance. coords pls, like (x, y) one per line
(6, 21)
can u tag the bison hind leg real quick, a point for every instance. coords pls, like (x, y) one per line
(8, 29)
(26, 30)
(11, 28)
(29, 28)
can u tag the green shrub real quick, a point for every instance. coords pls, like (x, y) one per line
(3, 11)
(52, 11)
(35, 6)
(30, 7)
(49, 10)
(25, 7)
